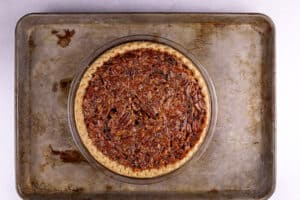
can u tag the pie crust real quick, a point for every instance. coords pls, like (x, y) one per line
(104, 160)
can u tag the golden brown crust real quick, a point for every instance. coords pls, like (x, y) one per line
(82, 129)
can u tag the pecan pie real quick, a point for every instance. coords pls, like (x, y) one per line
(142, 109)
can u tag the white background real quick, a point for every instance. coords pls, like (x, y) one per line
(285, 14)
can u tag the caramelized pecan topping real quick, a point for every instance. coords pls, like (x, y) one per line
(144, 109)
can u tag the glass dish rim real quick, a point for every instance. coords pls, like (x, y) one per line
(83, 66)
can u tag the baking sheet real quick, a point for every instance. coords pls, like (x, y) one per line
(237, 50)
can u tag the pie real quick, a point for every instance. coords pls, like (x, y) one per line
(142, 109)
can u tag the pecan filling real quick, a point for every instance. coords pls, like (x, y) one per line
(144, 109)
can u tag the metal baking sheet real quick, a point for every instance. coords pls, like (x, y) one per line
(237, 50)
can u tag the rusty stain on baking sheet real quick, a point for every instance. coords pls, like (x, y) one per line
(75, 189)
(53, 158)
(213, 192)
(64, 39)
(108, 187)
(68, 156)
(37, 186)
(204, 33)
(64, 86)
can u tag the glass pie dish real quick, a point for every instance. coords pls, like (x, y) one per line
(78, 139)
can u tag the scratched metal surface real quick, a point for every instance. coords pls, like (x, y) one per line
(237, 50)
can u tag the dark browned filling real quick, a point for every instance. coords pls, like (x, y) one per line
(144, 109)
